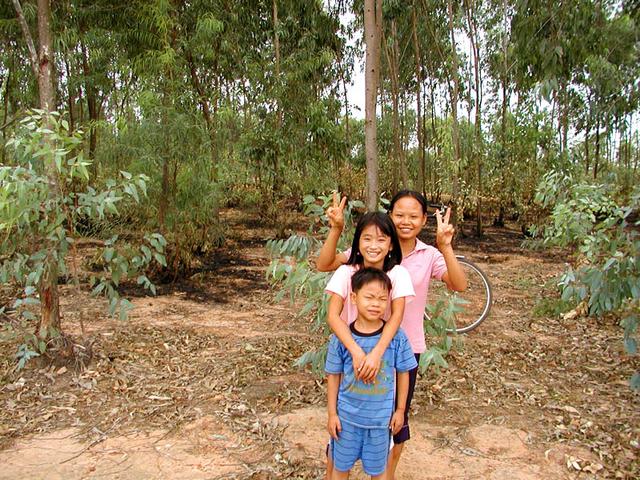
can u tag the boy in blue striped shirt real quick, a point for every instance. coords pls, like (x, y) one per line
(362, 416)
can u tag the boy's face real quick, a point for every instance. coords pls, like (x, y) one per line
(371, 300)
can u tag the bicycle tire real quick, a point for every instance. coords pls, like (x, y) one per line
(479, 296)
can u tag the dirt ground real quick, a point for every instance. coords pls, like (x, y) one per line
(199, 383)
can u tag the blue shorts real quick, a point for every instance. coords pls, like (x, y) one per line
(371, 445)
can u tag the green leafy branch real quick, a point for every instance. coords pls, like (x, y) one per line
(605, 232)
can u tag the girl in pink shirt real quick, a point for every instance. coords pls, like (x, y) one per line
(375, 244)
(408, 211)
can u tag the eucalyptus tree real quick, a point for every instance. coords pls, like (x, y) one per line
(372, 34)
(41, 60)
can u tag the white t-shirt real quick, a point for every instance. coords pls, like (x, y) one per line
(340, 284)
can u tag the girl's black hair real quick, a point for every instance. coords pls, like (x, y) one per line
(409, 193)
(386, 226)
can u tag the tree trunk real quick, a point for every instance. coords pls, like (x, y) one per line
(478, 147)
(5, 115)
(391, 54)
(70, 98)
(206, 114)
(586, 145)
(42, 66)
(276, 180)
(372, 34)
(455, 138)
(596, 162)
(564, 116)
(419, 117)
(504, 78)
(211, 129)
(92, 104)
(346, 119)
(435, 142)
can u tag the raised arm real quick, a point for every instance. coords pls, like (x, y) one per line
(328, 258)
(454, 277)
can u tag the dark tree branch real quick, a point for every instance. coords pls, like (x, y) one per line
(28, 38)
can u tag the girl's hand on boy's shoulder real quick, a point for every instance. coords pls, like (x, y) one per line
(335, 213)
(334, 427)
(444, 231)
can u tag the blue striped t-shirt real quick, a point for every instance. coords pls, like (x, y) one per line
(368, 405)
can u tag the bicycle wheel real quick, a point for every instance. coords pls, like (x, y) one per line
(476, 299)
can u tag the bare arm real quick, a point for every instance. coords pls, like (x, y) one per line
(402, 390)
(328, 260)
(454, 276)
(371, 365)
(333, 422)
(342, 331)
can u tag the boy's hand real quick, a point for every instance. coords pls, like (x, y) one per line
(335, 213)
(397, 421)
(370, 367)
(333, 426)
(445, 231)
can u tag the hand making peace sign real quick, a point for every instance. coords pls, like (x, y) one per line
(335, 213)
(445, 231)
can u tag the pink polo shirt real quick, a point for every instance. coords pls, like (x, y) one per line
(340, 284)
(423, 263)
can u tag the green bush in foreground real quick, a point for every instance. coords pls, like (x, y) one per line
(605, 230)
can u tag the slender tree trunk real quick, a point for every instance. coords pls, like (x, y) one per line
(347, 137)
(276, 181)
(92, 104)
(586, 141)
(478, 147)
(504, 78)
(596, 163)
(419, 117)
(391, 54)
(50, 301)
(70, 97)
(165, 182)
(206, 113)
(455, 138)
(211, 128)
(5, 114)
(372, 34)
(42, 66)
(564, 116)
(434, 140)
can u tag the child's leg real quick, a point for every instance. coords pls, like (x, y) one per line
(394, 458)
(404, 434)
(329, 473)
(337, 475)
(375, 451)
(344, 452)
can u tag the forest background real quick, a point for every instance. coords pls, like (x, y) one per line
(132, 127)
(519, 110)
